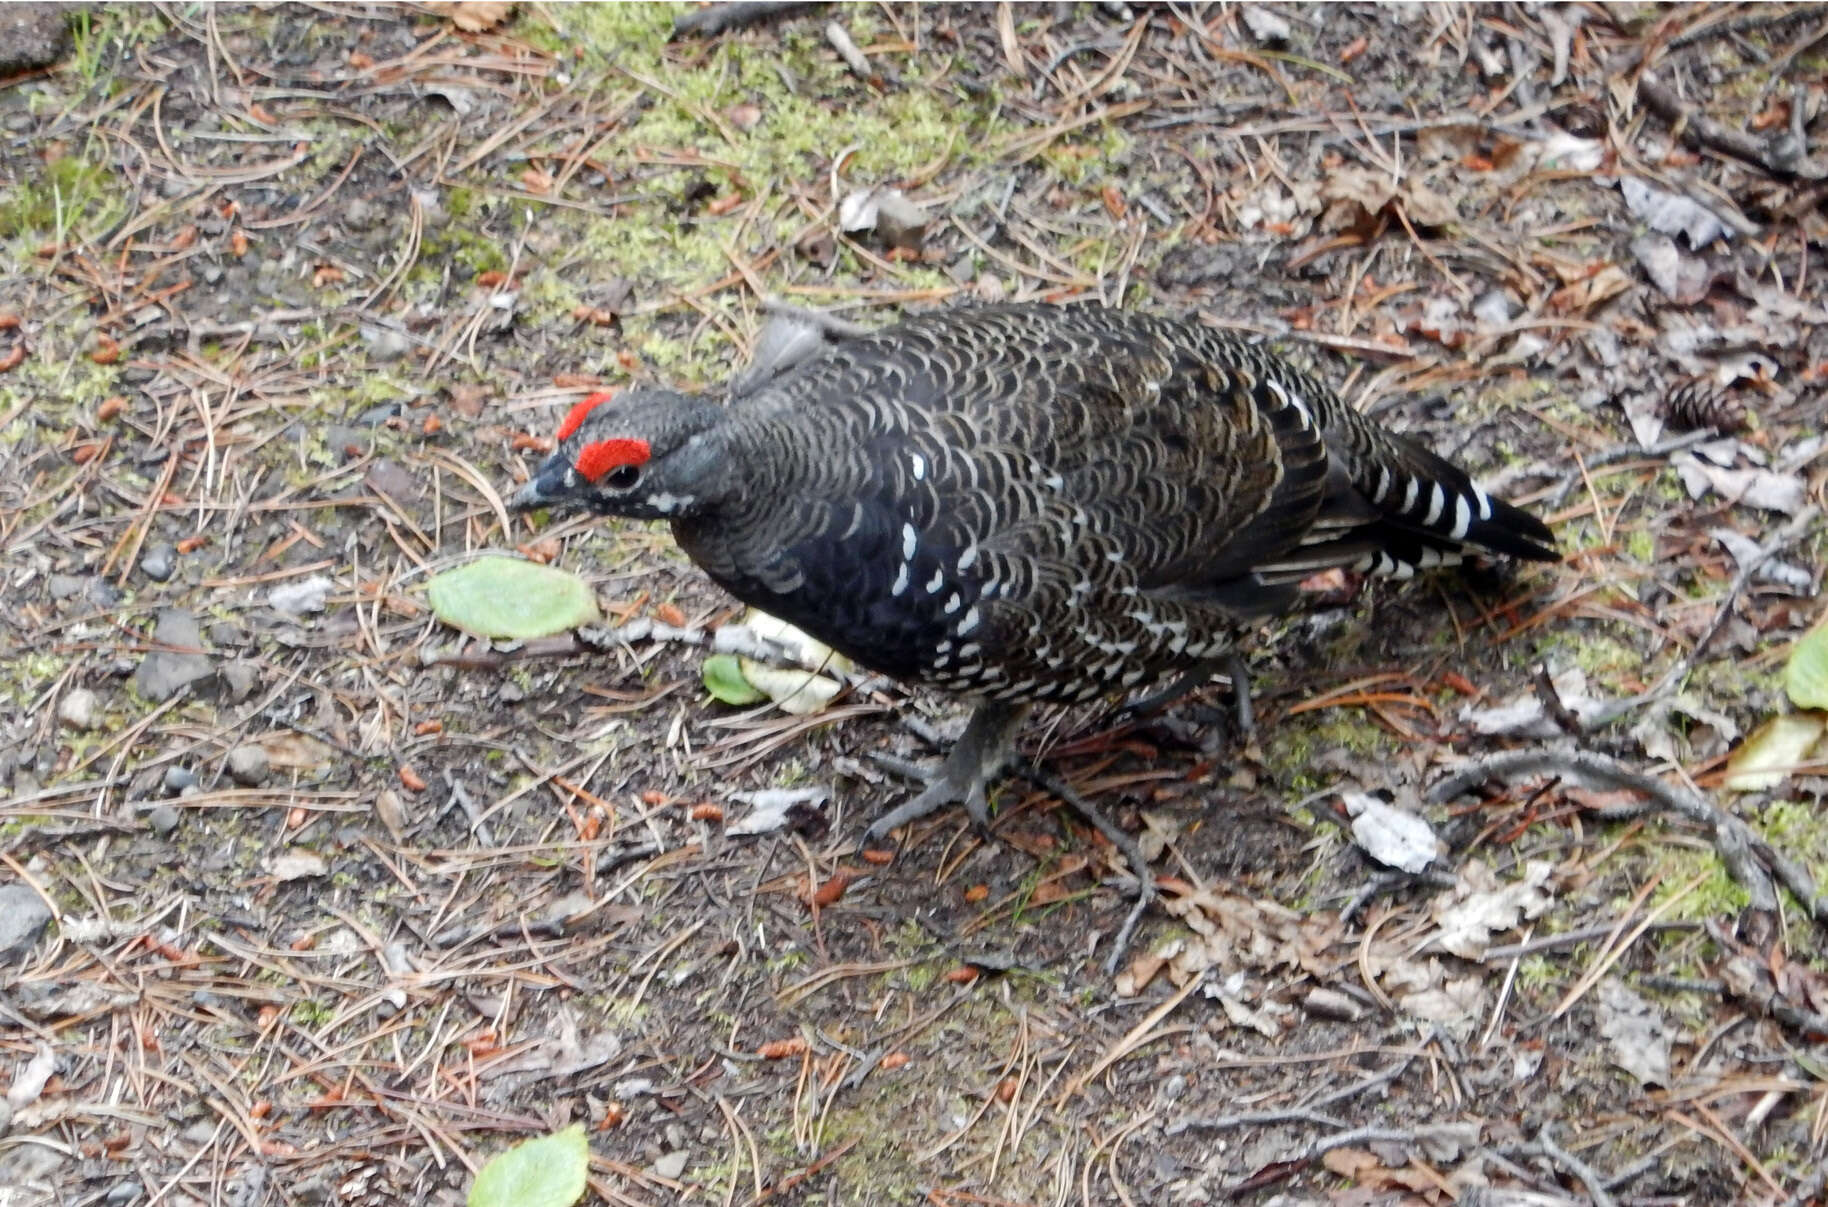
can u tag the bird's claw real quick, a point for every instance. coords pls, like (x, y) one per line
(942, 791)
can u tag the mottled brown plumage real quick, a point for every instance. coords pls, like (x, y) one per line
(1027, 503)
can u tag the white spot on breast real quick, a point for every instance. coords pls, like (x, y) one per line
(953, 603)
(901, 580)
(969, 623)
(968, 557)
(919, 465)
(1408, 497)
(910, 540)
(936, 582)
(969, 650)
(1053, 482)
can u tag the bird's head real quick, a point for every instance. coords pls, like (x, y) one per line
(640, 454)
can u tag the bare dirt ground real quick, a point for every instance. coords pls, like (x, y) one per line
(309, 900)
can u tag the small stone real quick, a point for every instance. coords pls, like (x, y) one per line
(392, 811)
(122, 1193)
(241, 678)
(33, 36)
(1266, 26)
(510, 693)
(247, 765)
(23, 916)
(164, 672)
(670, 1166)
(159, 562)
(63, 586)
(225, 632)
(901, 222)
(162, 819)
(301, 596)
(77, 708)
(178, 778)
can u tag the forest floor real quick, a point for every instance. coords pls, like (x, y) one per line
(307, 898)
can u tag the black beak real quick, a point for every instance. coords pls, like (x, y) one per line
(548, 485)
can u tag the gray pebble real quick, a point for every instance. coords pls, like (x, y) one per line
(178, 778)
(159, 562)
(77, 709)
(247, 765)
(23, 915)
(240, 678)
(162, 819)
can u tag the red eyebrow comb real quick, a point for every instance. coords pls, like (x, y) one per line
(596, 459)
(575, 417)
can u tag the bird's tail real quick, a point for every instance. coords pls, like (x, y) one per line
(1392, 508)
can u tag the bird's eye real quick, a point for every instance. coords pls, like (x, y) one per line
(624, 477)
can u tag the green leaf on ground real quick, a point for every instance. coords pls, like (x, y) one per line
(1806, 676)
(546, 1172)
(724, 679)
(508, 597)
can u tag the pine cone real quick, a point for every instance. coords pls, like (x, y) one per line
(1700, 404)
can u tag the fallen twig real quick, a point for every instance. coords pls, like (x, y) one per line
(1546, 1147)
(1785, 156)
(1745, 854)
(714, 19)
(1784, 537)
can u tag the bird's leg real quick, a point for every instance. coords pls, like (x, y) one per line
(987, 746)
(977, 757)
(1196, 676)
(1114, 834)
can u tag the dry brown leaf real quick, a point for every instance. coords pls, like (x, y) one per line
(1584, 295)
(473, 16)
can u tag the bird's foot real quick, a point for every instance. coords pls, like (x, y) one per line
(964, 778)
(1232, 665)
(1115, 835)
(941, 792)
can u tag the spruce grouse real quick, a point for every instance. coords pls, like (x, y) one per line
(1025, 503)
